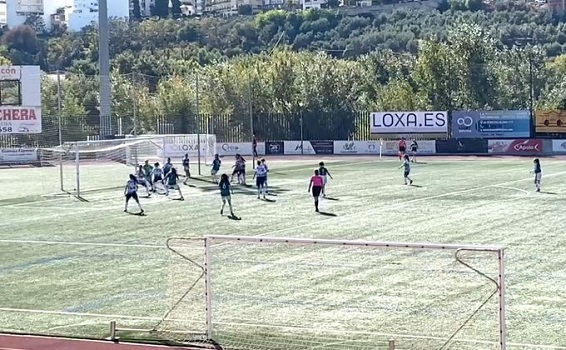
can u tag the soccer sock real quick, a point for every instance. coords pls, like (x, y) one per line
(139, 205)
(259, 191)
(316, 203)
(266, 190)
(230, 205)
(126, 207)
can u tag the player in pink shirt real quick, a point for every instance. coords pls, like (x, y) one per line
(316, 184)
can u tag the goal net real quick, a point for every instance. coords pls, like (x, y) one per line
(94, 165)
(283, 293)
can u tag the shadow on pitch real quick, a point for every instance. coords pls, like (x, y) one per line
(417, 186)
(234, 217)
(269, 200)
(323, 213)
(331, 198)
(545, 192)
(136, 214)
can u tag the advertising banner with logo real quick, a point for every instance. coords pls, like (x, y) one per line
(425, 147)
(18, 155)
(275, 147)
(550, 122)
(323, 147)
(298, 147)
(515, 147)
(178, 150)
(463, 146)
(243, 148)
(356, 147)
(20, 120)
(559, 146)
(486, 124)
(409, 122)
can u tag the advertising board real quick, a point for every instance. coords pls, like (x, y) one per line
(322, 146)
(29, 7)
(559, 146)
(298, 147)
(275, 147)
(20, 120)
(550, 122)
(462, 146)
(10, 72)
(515, 147)
(356, 147)
(491, 124)
(409, 122)
(242, 148)
(425, 147)
(18, 155)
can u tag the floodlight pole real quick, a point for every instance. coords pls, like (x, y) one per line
(59, 112)
(104, 68)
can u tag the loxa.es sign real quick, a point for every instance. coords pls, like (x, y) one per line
(409, 122)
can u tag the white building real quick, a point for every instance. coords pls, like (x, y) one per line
(313, 4)
(77, 13)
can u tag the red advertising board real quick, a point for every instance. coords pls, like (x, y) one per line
(522, 146)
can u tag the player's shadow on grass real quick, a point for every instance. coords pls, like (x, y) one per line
(331, 198)
(546, 192)
(234, 217)
(135, 214)
(269, 200)
(323, 213)
(417, 186)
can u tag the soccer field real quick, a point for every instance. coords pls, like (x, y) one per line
(69, 267)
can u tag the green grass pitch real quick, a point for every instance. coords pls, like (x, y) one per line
(69, 267)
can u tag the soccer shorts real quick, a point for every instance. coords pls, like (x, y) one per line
(325, 179)
(260, 181)
(538, 176)
(157, 178)
(407, 173)
(414, 150)
(316, 191)
(226, 198)
(132, 195)
(401, 149)
(173, 187)
(213, 172)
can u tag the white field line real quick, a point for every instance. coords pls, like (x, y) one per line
(250, 325)
(316, 222)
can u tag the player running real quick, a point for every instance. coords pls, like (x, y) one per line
(141, 180)
(216, 163)
(186, 168)
(171, 180)
(167, 167)
(131, 191)
(225, 192)
(267, 171)
(260, 176)
(414, 148)
(324, 174)
(402, 148)
(538, 173)
(157, 176)
(316, 185)
(407, 165)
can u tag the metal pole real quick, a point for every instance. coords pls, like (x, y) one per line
(197, 111)
(59, 112)
(302, 135)
(135, 103)
(251, 113)
(104, 67)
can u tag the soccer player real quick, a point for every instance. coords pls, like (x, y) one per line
(157, 176)
(186, 167)
(167, 167)
(260, 176)
(216, 163)
(131, 191)
(267, 170)
(140, 178)
(240, 170)
(225, 192)
(316, 185)
(402, 148)
(147, 170)
(254, 146)
(324, 173)
(171, 180)
(538, 173)
(414, 148)
(407, 165)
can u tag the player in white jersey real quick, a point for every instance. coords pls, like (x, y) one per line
(157, 176)
(260, 176)
(131, 191)
(267, 169)
(407, 165)
(141, 179)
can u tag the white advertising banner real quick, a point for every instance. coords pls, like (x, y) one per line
(298, 147)
(10, 72)
(242, 148)
(559, 146)
(20, 120)
(18, 155)
(425, 147)
(178, 150)
(356, 147)
(409, 122)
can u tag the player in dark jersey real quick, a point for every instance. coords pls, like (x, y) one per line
(186, 168)
(171, 183)
(538, 173)
(225, 193)
(148, 170)
(131, 192)
(414, 149)
(407, 165)
(167, 167)
(216, 163)
(325, 174)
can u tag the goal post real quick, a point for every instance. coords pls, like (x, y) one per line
(95, 165)
(280, 293)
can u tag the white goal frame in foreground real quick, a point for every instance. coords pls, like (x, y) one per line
(206, 272)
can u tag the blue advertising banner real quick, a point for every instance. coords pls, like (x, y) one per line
(490, 124)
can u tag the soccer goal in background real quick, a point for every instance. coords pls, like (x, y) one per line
(285, 293)
(94, 165)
